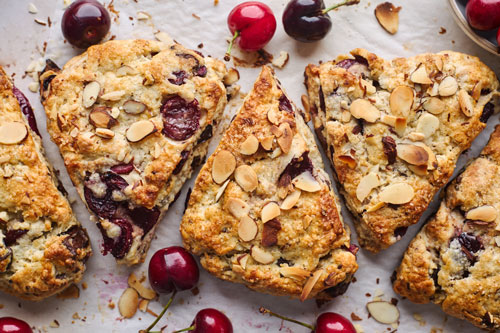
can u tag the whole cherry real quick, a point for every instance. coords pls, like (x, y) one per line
(252, 24)
(327, 322)
(172, 269)
(85, 23)
(210, 321)
(483, 14)
(308, 20)
(14, 325)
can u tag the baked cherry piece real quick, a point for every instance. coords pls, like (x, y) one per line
(172, 269)
(209, 321)
(308, 20)
(252, 24)
(85, 23)
(14, 325)
(327, 322)
(483, 14)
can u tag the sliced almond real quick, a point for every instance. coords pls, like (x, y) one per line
(243, 260)
(221, 190)
(247, 229)
(246, 177)
(267, 142)
(427, 124)
(400, 126)
(231, 77)
(412, 154)
(125, 70)
(250, 145)
(128, 303)
(134, 107)
(349, 160)
(476, 91)
(270, 211)
(285, 140)
(113, 95)
(100, 117)
(275, 130)
(388, 17)
(143, 305)
(139, 130)
(363, 109)
(305, 103)
(308, 287)
(261, 256)
(399, 193)
(367, 86)
(12, 132)
(432, 163)
(448, 86)
(484, 213)
(105, 133)
(164, 38)
(290, 200)
(401, 100)
(345, 117)
(420, 170)
(434, 105)
(416, 136)
(281, 60)
(296, 273)
(375, 207)
(223, 166)
(273, 116)
(90, 93)
(238, 207)
(383, 312)
(366, 185)
(143, 291)
(466, 103)
(306, 182)
(420, 75)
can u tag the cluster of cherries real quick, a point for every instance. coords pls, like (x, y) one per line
(484, 15)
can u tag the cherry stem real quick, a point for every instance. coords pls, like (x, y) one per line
(190, 328)
(344, 3)
(161, 313)
(264, 310)
(227, 56)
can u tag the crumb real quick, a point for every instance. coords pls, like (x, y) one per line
(368, 295)
(44, 47)
(354, 280)
(196, 16)
(40, 22)
(130, 18)
(111, 305)
(442, 31)
(355, 317)
(54, 324)
(76, 316)
(71, 292)
(49, 22)
(394, 301)
(112, 37)
(378, 280)
(195, 291)
(84, 285)
(216, 2)
(200, 46)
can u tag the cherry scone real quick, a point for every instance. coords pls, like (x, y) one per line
(262, 211)
(454, 261)
(395, 129)
(132, 119)
(43, 248)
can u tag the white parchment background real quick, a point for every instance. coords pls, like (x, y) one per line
(21, 41)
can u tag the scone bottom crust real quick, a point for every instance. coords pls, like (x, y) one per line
(262, 212)
(43, 248)
(141, 118)
(394, 130)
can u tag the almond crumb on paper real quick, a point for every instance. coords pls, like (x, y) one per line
(143, 16)
(76, 316)
(442, 31)
(111, 305)
(281, 60)
(388, 17)
(84, 285)
(418, 317)
(32, 8)
(54, 324)
(40, 22)
(355, 317)
(196, 16)
(71, 292)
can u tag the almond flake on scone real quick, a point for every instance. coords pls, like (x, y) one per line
(43, 248)
(262, 211)
(395, 129)
(132, 119)
(454, 261)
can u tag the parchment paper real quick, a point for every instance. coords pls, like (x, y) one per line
(22, 41)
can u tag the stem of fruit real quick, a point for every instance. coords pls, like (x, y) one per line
(190, 328)
(227, 56)
(343, 3)
(161, 313)
(264, 310)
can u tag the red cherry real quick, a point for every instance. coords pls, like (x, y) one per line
(14, 325)
(252, 24)
(330, 322)
(173, 268)
(211, 321)
(483, 14)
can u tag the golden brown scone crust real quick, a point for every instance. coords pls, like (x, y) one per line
(454, 261)
(151, 73)
(366, 145)
(312, 242)
(43, 248)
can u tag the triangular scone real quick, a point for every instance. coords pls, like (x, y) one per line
(454, 261)
(262, 211)
(132, 120)
(43, 247)
(395, 129)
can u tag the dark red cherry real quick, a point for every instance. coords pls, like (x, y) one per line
(14, 325)
(330, 322)
(483, 14)
(172, 268)
(85, 23)
(211, 321)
